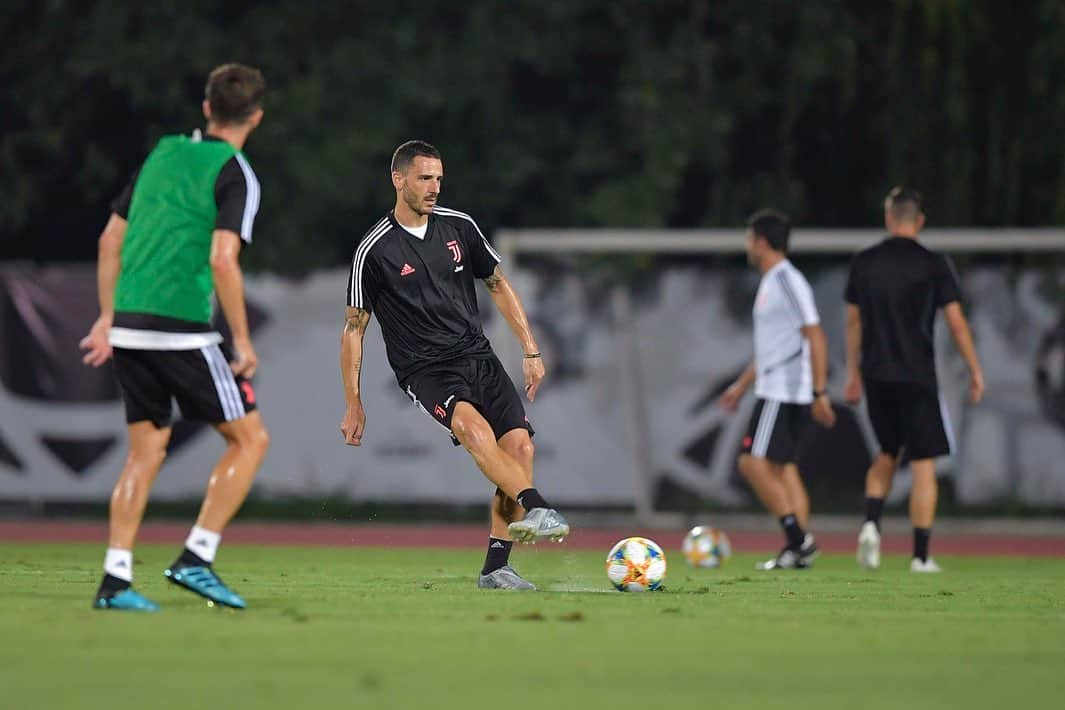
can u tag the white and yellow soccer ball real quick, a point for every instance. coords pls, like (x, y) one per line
(636, 564)
(706, 547)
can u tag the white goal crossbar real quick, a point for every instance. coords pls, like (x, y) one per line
(732, 241)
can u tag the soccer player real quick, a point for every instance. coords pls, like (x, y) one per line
(416, 269)
(173, 239)
(893, 292)
(788, 373)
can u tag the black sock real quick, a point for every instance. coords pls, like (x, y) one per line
(530, 498)
(498, 555)
(792, 530)
(112, 585)
(189, 558)
(921, 538)
(874, 509)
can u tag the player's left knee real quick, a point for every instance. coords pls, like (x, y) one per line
(522, 451)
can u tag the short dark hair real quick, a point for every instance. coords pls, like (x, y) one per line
(234, 92)
(904, 203)
(772, 226)
(406, 153)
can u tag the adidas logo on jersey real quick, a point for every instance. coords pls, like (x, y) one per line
(407, 270)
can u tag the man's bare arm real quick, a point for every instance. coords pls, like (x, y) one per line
(355, 322)
(822, 407)
(108, 265)
(730, 398)
(853, 392)
(506, 300)
(963, 340)
(229, 285)
(508, 303)
(818, 355)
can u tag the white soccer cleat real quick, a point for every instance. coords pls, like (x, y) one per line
(787, 559)
(929, 565)
(539, 524)
(869, 546)
(505, 577)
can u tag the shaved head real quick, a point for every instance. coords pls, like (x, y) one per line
(903, 204)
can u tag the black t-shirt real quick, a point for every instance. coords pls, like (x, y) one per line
(898, 286)
(423, 289)
(232, 188)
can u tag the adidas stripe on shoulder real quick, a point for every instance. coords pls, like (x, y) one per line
(356, 298)
(447, 212)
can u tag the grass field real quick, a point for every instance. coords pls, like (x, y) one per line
(406, 628)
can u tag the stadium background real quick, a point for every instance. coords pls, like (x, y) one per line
(678, 118)
(670, 115)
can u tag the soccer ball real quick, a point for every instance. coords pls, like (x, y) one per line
(636, 564)
(705, 546)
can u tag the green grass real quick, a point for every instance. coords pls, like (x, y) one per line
(408, 629)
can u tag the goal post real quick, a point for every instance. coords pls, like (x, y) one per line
(514, 245)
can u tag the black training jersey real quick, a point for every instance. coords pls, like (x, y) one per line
(898, 286)
(423, 289)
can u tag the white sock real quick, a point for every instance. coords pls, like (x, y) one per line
(119, 563)
(204, 543)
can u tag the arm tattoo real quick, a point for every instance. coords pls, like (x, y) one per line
(356, 321)
(495, 281)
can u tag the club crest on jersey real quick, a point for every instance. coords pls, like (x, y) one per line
(456, 253)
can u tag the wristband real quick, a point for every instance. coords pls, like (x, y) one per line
(530, 356)
(819, 394)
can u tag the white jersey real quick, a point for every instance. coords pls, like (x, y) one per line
(784, 305)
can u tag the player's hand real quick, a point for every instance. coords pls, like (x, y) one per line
(730, 398)
(247, 361)
(853, 391)
(354, 424)
(533, 369)
(823, 412)
(976, 386)
(97, 343)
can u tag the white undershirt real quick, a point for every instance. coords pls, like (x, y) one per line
(418, 232)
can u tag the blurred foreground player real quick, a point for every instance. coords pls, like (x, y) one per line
(893, 292)
(416, 269)
(174, 238)
(789, 374)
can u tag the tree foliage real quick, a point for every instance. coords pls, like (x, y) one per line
(548, 112)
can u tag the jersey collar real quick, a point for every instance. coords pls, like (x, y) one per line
(396, 225)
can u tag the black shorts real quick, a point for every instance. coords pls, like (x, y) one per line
(483, 383)
(199, 380)
(908, 419)
(775, 431)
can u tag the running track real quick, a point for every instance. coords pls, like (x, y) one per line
(473, 537)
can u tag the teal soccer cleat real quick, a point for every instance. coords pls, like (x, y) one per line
(203, 581)
(126, 600)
